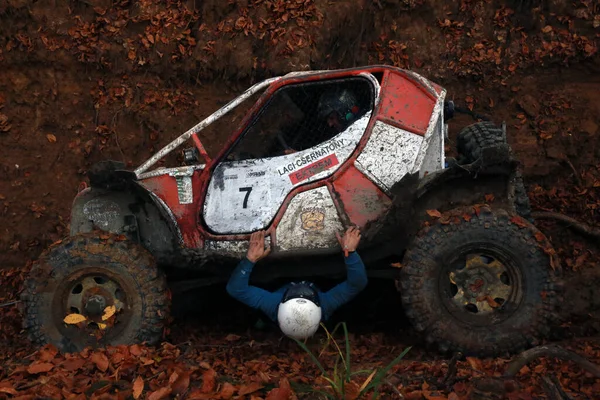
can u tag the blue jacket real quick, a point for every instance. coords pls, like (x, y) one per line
(268, 302)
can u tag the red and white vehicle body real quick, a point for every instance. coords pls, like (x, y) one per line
(303, 198)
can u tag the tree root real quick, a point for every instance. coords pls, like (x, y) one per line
(450, 378)
(573, 223)
(554, 389)
(549, 351)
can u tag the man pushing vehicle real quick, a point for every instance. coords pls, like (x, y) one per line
(298, 307)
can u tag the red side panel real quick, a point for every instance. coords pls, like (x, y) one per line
(361, 199)
(165, 187)
(405, 105)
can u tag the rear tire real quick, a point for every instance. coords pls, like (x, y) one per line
(470, 144)
(472, 139)
(108, 269)
(480, 284)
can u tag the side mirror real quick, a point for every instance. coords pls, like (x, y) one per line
(448, 110)
(191, 155)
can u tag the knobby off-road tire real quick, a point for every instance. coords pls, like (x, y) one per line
(470, 143)
(430, 286)
(66, 274)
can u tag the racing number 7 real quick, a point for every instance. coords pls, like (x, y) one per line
(247, 190)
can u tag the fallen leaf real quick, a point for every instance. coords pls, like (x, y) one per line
(208, 381)
(283, 392)
(434, 213)
(525, 370)
(51, 138)
(73, 364)
(232, 338)
(73, 319)
(48, 353)
(520, 222)
(138, 387)
(135, 350)
(40, 367)
(251, 388)
(475, 363)
(227, 391)
(181, 383)
(101, 325)
(445, 220)
(160, 394)
(467, 217)
(100, 360)
(396, 265)
(489, 198)
(539, 236)
(491, 302)
(546, 29)
(8, 390)
(109, 312)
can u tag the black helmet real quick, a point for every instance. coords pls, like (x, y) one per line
(340, 100)
(304, 290)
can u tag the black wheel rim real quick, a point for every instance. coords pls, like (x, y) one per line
(481, 285)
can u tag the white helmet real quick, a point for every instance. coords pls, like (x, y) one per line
(299, 313)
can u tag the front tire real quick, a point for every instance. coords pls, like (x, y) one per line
(84, 275)
(480, 283)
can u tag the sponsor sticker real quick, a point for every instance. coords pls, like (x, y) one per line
(313, 169)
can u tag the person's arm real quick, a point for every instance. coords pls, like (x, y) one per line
(356, 275)
(356, 281)
(239, 288)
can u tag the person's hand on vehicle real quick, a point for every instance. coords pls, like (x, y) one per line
(256, 249)
(350, 240)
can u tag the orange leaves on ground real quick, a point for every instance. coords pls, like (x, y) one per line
(100, 360)
(51, 138)
(434, 213)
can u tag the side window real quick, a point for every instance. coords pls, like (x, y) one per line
(301, 116)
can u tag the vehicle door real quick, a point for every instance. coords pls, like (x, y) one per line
(286, 145)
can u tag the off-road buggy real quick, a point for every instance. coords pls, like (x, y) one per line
(474, 274)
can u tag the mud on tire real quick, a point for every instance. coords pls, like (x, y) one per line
(455, 272)
(66, 272)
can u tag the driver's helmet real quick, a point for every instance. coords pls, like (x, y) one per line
(342, 101)
(299, 313)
